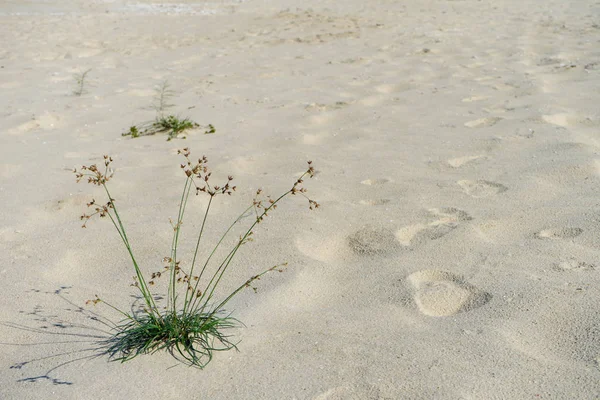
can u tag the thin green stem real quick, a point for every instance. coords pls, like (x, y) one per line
(212, 285)
(187, 294)
(243, 286)
(200, 303)
(237, 220)
(143, 287)
(175, 243)
(117, 310)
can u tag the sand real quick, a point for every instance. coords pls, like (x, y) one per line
(455, 254)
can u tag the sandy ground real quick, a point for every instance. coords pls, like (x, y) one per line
(456, 251)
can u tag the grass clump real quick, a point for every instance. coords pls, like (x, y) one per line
(170, 124)
(191, 321)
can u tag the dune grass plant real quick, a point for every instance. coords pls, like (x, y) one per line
(191, 322)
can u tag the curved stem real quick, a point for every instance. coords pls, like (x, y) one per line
(237, 220)
(143, 287)
(216, 278)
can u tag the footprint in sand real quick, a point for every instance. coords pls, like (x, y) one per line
(326, 246)
(372, 101)
(566, 120)
(481, 188)
(441, 222)
(417, 233)
(369, 241)
(461, 161)
(322, 246)
(449, 215)
(46, 121)
(473, 98)
(566, 330)
(315, 139)
(560, 119)
(573, 264)
(558, 233)
(351, 390)
(524, 133)
(375, 182)
(326, 107)
(482, 122)
(374, 202)
(441, 293)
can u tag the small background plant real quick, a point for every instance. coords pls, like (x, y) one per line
(191, 322)
(171, 124)
(80, 79)
(161, 98)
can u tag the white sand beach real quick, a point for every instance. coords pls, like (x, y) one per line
(456, 250)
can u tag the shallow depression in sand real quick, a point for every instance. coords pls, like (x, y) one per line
(321, 249)
(565, 332)
(558, 233)
(375, 182)
(374, 202)
(481, 188)
(441, 293)
(461, 161)
(449, 215)
(441, 222)
(573, 264)
(328, 246)
(372, 241)
(482, 122)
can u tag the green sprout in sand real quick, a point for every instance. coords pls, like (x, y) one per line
(81, 82)
(161, 98)
(191, 322)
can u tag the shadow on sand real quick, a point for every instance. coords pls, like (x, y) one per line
(86, 341)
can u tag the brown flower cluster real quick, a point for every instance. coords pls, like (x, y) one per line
(200, 171)
(94, 175)
(101, 210)
(298, 189)
(99, 178)
(182, 276)
(94, 301)
(263, 206)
